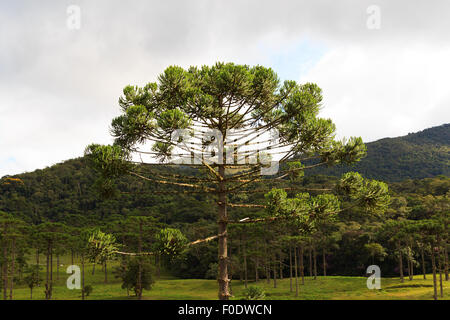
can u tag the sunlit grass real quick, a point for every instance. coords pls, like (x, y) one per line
(168, 288)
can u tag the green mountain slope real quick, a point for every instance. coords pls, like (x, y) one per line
(416, 156)
(64, 192)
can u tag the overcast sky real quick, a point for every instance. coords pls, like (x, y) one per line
(384, 73)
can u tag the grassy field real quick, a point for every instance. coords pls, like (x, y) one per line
(167, 288)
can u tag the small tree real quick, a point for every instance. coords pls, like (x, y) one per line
(87, 290)
(254, 293)
(85, 248)
(32, 278)
(101, 248)
(131, 273)
(170, 242)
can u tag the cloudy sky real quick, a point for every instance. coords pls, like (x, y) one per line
(383, 65)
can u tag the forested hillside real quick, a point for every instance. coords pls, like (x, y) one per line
(418, 155)
(65, 193)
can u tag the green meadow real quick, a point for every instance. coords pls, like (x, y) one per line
(169, 288)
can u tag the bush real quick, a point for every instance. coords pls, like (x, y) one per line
(88, 290)
(254, 293)
(129, 274)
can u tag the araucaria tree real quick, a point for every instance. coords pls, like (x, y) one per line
(236, 124)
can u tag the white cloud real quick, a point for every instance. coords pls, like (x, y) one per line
(383, 90)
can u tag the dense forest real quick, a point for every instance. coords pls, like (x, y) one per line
(418, 155)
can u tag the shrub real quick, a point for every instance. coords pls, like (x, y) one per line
(88, 290)
(254, 293)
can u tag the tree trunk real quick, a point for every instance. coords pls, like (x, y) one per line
(82, 277)
(37, 263)
(158, 265)
(93, 268)
(47, 274)
(51, 272)
(440, 275)
(423, 264)
(31, 293)
(400, 261)
(106, 272)
(20, 272)
(281, 265)
(290, 267)
(267, 267)
(302, 267)
(433, 263)
(239, 255)
(257, 263)
(410, 264)
(13, 260)
(274, 270)
(310, 262)
(57, 267)
(139, 279)
(296, 274)
(324, 262)
(5, 270)
(446, 262)
(408, 260)
(224, 293)
(245, 261)
(315, 262)
(5, 273)
(230, 268)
